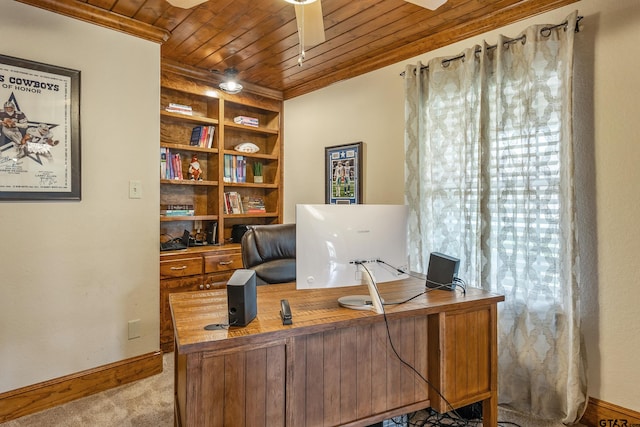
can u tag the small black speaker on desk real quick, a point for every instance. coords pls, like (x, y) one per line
(442, 271)
(242, 297)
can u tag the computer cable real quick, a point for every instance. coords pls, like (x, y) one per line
(461, 284)
(218, 326)
(393, 347)
(447, 286)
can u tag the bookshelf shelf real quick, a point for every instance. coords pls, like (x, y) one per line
(184, 147)
(251, 215)
(188, 182)
(250, 129)
(250, 185)
(257, 155)
(188, 218)
(189, 118)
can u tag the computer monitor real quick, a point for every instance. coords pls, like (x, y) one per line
(334, 244)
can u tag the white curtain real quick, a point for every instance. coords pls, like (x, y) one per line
(489, 179)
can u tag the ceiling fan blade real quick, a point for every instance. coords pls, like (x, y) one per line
(185, 4)
(310, 20)
(428, 4)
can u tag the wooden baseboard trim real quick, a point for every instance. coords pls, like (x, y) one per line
(604, 414)
(37, 397)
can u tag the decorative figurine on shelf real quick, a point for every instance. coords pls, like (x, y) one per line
(194, 169)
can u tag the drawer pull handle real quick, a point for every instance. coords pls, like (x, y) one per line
(184, 267)
(225, 262)
(201, 286)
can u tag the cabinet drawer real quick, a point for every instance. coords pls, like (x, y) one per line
(222, 262)
(181, 267)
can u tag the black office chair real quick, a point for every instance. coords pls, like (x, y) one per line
(270, 250)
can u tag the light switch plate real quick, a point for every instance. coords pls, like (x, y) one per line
(135, 189)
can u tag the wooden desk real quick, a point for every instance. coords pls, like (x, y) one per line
(333, 366)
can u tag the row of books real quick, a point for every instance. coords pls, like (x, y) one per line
(232, 203)
(253, 205)
(179, 108)
(235, 168)
(177, 210)
(235, 204)
(170, 164)
(202, 136)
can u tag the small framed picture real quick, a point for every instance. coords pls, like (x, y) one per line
(343, 174)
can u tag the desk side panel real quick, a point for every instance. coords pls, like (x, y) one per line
(353, 373)
(462, 368)
(245, 387)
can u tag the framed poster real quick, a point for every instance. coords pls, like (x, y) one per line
(343, 174)
(39, 131)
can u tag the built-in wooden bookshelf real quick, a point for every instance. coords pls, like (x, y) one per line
(212, 107)
(209, 266)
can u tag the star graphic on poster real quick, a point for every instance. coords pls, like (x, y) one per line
(7, 144)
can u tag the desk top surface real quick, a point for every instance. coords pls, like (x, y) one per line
(313, 310)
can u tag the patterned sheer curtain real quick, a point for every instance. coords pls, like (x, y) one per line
(489, 179)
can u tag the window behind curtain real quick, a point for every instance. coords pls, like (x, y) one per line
(489, 179)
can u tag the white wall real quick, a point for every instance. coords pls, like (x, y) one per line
(74, 273)
(370, 108)
(360, 109)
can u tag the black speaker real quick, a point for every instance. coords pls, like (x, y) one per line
(212, 231)
(241, 297)
(442, 270)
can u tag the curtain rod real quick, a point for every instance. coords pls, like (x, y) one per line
(545, 32)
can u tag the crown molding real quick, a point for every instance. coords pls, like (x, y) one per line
(94, 15)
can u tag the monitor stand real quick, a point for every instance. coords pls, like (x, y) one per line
(364, 302)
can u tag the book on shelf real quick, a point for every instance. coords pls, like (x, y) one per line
(235, 168)
(253, 204)
(170, 164)
(233, 202)
(179, 108)
(177, 166)
(227, 205)
(177, 210)
(202, 136)
(247, 121)
(163, 163)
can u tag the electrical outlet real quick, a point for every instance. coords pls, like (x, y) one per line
(134, 329)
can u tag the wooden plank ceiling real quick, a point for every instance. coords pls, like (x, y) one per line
(259, 37)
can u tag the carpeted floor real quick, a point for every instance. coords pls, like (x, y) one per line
(149, 403)
(145, 403)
